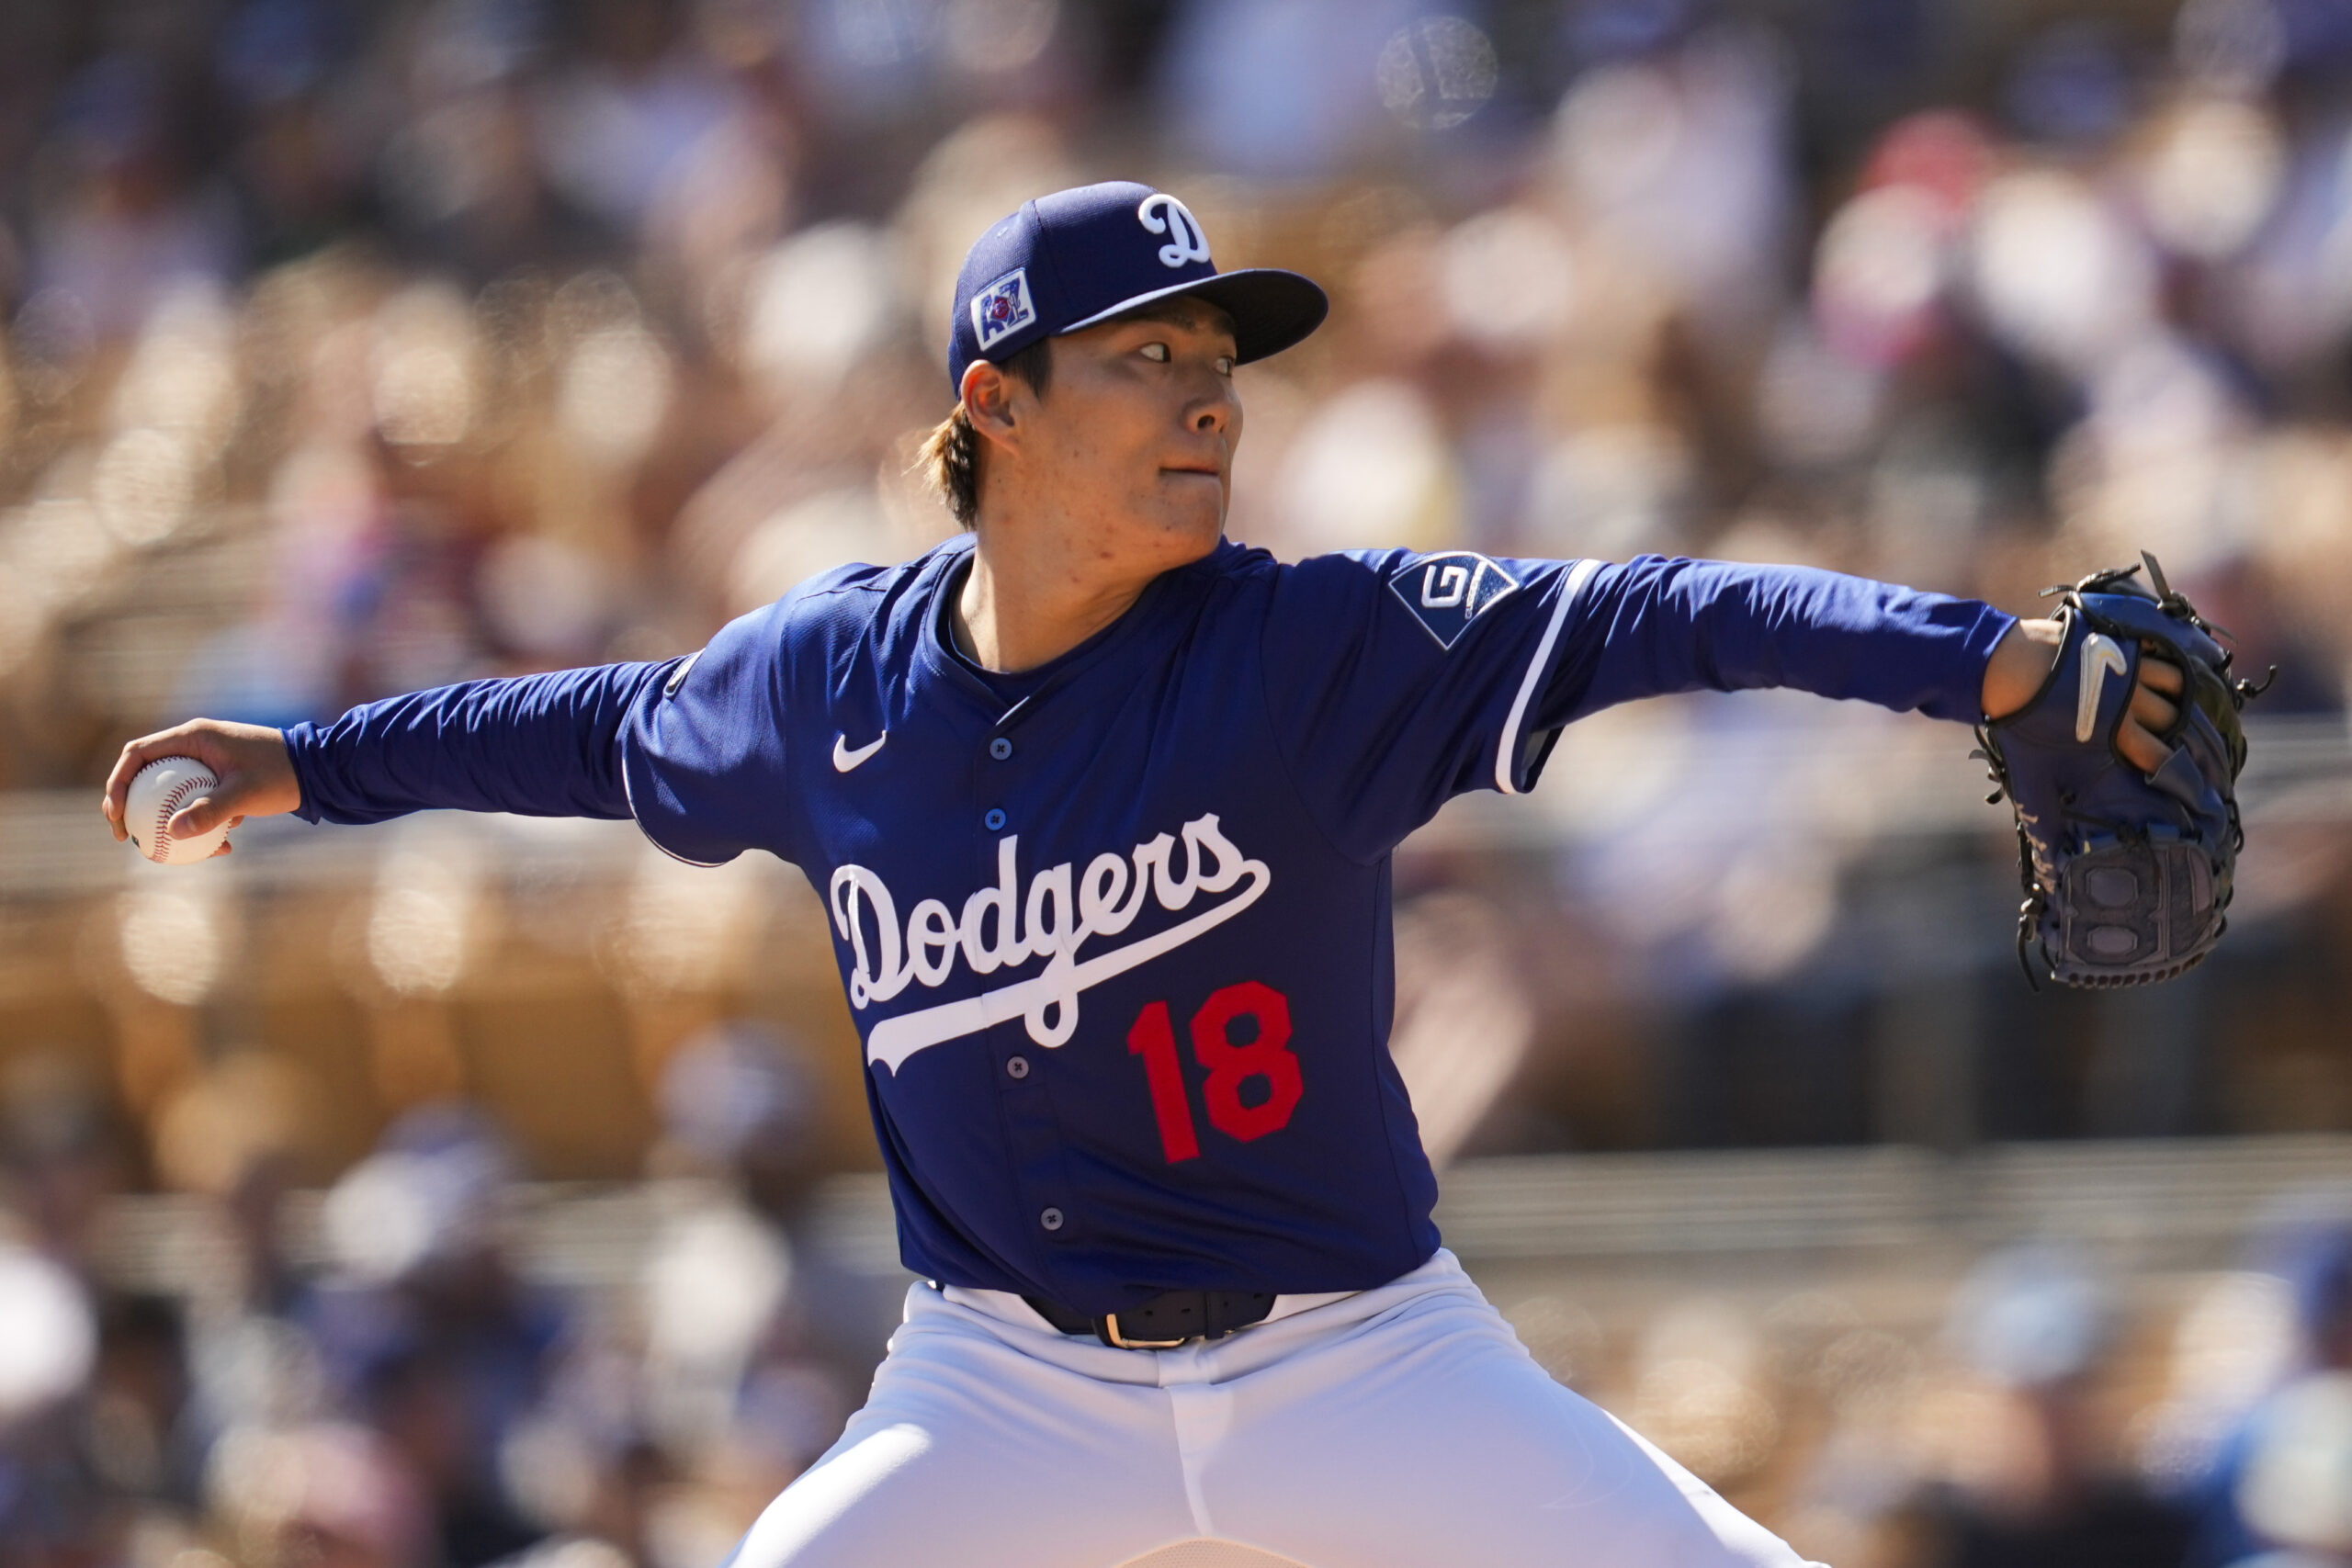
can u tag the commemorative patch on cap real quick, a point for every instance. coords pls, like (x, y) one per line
(1002, 308)
(1449, 590)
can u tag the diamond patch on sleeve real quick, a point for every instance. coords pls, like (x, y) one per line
(1449, 590)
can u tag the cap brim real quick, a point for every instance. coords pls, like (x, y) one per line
(1272, 310)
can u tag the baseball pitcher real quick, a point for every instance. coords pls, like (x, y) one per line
(1102, 807)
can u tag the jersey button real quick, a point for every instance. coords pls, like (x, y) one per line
(1017, 1068)
(995, 818)
(1051, 1219)
(1000, 748)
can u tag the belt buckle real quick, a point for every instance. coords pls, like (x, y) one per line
(1110, 1332)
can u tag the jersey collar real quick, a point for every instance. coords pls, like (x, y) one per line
(946, 573)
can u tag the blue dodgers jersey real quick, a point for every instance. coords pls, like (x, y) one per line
(1120, 952)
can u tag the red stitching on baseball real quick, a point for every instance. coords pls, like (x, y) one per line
(164, 813)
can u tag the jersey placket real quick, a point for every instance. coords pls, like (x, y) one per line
(1003, 785)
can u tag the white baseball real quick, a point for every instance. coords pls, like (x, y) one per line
(157, 794)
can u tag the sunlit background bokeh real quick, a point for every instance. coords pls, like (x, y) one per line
(465, 1190)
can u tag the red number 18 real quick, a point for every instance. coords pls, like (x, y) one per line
(1229, 1063)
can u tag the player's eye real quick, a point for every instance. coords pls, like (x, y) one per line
(1156, 352)
(1224, 365)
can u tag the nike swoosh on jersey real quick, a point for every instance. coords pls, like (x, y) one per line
(844, 759)
(2100, 654)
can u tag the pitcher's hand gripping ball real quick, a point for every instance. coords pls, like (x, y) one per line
(2127, 874)
(157, 793)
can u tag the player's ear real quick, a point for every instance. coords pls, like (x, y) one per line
(992, 402)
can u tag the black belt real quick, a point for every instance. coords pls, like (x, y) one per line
(1166, 1320)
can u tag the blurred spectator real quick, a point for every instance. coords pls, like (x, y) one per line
(739, 1103)
(2035, 1485)
(51, 1506)
(242, 1136)
(328, 1494)
(2283, 1482)
(63, 1152)
(752, 1331)
(427, 1334)
(126, 209)
(1279, 89)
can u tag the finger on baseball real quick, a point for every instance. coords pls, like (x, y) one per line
(135, 756)
(2139, 746)
(222, 848)
(203, 814)
(110, 800)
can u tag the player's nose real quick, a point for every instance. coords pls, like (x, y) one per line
(1214, 411)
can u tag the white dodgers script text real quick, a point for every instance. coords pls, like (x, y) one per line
(1000, 928)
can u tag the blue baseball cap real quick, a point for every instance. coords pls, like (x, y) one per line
(1079, 257)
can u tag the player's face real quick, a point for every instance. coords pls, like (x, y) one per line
(1140, 426)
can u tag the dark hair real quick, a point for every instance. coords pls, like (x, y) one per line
(950, 457)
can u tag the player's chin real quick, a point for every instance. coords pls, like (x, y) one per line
(1191, 504)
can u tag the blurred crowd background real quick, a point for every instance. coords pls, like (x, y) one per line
(473, 1191)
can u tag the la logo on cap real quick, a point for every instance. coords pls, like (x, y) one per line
(1002, 308)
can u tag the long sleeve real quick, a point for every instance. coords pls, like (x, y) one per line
(537, 746)
(1398, 681)
(1653, 625)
